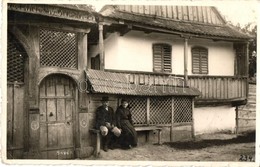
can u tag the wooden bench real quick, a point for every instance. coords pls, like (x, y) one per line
(137, 128)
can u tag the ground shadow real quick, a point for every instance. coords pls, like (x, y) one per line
(190, 145)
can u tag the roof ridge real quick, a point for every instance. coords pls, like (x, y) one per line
(165, 18)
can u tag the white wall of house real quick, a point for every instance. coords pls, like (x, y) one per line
(133, 52)
(214, 119)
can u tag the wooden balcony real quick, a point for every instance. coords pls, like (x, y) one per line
(214, 89)
(219, 88)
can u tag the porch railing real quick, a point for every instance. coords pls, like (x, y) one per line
(150, 78)
(212, 88)
(219, 87)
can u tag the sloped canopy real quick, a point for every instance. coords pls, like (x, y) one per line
(117, 83)
(202, 21)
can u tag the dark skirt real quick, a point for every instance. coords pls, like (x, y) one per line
(128, 135)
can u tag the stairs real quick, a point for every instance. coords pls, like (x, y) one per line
(247, 113)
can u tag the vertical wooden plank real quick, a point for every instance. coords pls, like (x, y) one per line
(174, 12)
(67, 88)
(52, 135)
(60, 109)
(195, 13)
(209, 15)
(146, 9)
(226, 87)
(190, 13)
(50, 86)
(204, 14)
(43, 110)
(51, 110)
(164, 11)
(141, 9)
(10, 104)
(179, 12)
(203, 87)
(18, 114)
(213, 17)
(43, 136)
(134, 9)
(152, 10)
(200, 13)
(169, 11)
(210, 88)
(59, 86)
(42, 105)
(193, 121)
(206, 88)
(185, 13)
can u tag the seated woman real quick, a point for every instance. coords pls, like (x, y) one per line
(128, 137)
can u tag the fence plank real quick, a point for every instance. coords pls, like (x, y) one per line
(10, 111)
(18, 127)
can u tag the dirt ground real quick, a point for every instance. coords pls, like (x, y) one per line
(210, 147)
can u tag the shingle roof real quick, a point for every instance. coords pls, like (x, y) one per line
(117, 83)
(215, 30)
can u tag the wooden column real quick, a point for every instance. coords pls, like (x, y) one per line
(185, 61)
(83, 51)
(172, 121)
(101, 46)
(193, 128)
(247, 67)
(148, 111)
(236, 119)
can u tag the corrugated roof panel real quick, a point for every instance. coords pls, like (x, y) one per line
(116, 83)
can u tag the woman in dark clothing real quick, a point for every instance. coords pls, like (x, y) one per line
(128, 137)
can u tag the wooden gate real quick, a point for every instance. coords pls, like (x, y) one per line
(17, 105)
(57, 117)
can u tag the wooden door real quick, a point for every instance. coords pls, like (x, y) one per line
(57, 112)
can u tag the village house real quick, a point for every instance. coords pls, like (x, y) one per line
(183, 69)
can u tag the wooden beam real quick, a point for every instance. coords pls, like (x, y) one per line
(101, 46)
(125, 30)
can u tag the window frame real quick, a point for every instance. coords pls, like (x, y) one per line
(163, 47)
(200, 65)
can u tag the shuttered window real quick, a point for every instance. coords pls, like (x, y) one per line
(162, 58)
(199, 60)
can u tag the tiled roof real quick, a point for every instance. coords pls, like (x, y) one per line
(117, 83)
(217, 30)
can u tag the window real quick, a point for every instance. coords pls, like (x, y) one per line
(162, 58)
(199, 60)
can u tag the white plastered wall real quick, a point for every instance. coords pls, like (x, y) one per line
(133, 52)
(214, 119)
